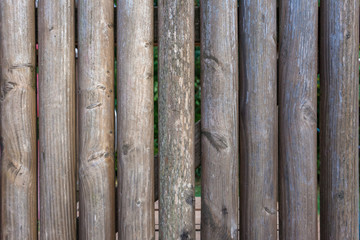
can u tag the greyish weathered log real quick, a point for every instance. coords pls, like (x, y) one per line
(220, 120)
(197, 159)
(135, 74)
(96, 119)
(57, 119)
(339, 119)
(258, 120)
(176, 119)
(18, 120)
(297, 119)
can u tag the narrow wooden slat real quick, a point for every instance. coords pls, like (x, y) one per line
(77, 161)
(57, 119)
(96, 119)
(17, 120)
(339, 119)
(297, 118)
(219, 119)
(135, 74)
(176, 119)
(258, 120)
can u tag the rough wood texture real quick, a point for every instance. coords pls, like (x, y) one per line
(196, 26)
(297, 119)
(176, 119)
(96, 119)
(258, 120)
(57, 119)
(220, 115)
(17, 120)
(136, 120)
(339, 119)
(197, 158)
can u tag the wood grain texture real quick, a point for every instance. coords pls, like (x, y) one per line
(18, 212)
(220, 120)
(57, 119)
(339, 120)
(258, 120)
(96, 119)
(135, 69)
(176, 119)
(297, 119)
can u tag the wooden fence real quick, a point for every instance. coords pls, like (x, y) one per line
(258, 133)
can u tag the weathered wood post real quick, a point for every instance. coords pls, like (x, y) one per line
(339, 119)
(57, 119)
(96, 119)
(258, 120)
(297, 119)
(18, 218)
(176, 119)
(135, 72)
(197, 146)
(219, 119)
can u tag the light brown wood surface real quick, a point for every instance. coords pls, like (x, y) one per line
(57, 119)
(297, 119)
(18, 161)
(176, 119)
(258, 120)
(96, 119)
(135, 74)
(339, 119)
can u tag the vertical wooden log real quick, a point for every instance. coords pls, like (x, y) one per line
(135, 74)
(297, 119)
(258, 120)
(96, 119)
(57, 119)
(176, 119)
(339, 125)
(17, 120)
(219, 105)
(197, 159)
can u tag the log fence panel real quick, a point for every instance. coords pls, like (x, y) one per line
(62, 177)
